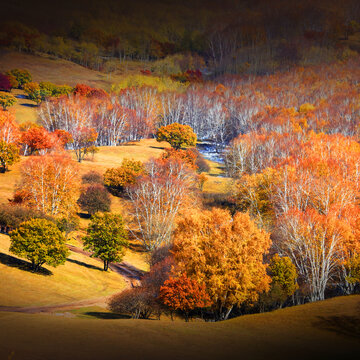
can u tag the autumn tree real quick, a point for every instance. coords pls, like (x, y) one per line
(94, 198)
(184, 294)
(176, 135)
(116, 179)
(49, 184)
(225, 254)
(187, 156)
(9, 155)
(157, 198)
(37, 139)
(106, 238)
(5, 84)
(83, 139)
(39, 241)
(7, 100)
(9, 128)
(22, 76)
(283, 278)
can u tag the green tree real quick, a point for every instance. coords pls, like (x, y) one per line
(9, 154)
(40, 241)
(177, 135)
(106, 237)
(7, 100)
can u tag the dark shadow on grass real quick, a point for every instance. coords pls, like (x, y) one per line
(157, 147)
(12, 261)
(89, 266)
(343, 325)
(84, 215)
(106, 315)
(29, 105)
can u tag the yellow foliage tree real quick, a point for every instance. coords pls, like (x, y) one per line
(226, 254)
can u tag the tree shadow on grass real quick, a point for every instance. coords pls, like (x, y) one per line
(12, 261)
(89, 266)
(343, 325)
(106, 315)
(29, 105)
(157, 147)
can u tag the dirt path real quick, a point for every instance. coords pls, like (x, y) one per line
(131, 274)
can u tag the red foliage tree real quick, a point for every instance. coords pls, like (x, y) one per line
(5, 84)
(184, 294)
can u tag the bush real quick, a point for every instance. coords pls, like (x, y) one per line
(22, 76)
(7, 100)
(94, 198)
(40, 241)
(116, 179)
(137, 302)
(187, 156)
(11, 216)
(92, 177)
(200, 162)
(38, 92)
(68, 224)
(5, 84)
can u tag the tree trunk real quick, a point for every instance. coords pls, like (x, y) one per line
(106, 265)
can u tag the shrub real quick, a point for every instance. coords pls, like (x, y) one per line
(92, 177)
(116, 179)
(11, 216)
(200, 162)
(40, 241)
(94, 198)
(68, 224)
(38, 92)
(22, 76)
(137, 302)
(187, 156)
(7, 100)
(5, 84)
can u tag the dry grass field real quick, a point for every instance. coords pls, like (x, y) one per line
(324, 330)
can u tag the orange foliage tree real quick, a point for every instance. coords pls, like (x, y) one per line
(177, 135)
(49, 184)
(184, 294)
(225, 253)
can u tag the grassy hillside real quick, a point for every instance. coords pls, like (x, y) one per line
(323, 330)
(59, 71)
(80, 278)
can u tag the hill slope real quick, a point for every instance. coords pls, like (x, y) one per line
(59, 71)
(323, 330)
